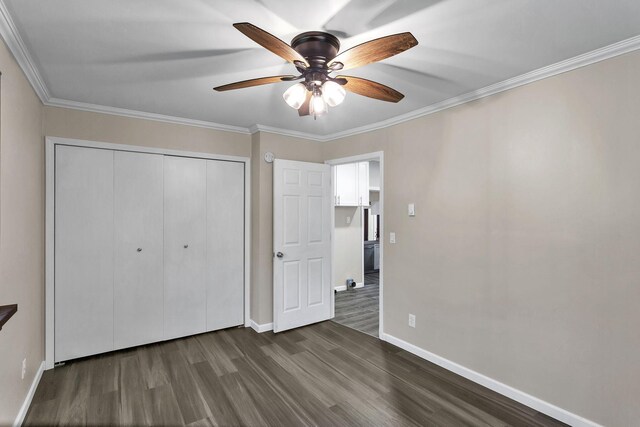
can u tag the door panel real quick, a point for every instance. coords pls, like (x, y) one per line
(138, 275)
(84, 252)
(184, 246)
(302, 235)
(225, 244)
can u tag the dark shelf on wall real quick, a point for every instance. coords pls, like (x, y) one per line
(6, 311)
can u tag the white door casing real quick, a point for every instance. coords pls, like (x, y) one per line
(302, 247)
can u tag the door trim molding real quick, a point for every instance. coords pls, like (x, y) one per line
(50, 144)
(377, 156)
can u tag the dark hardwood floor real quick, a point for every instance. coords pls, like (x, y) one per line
(324, 374)
(359, 308)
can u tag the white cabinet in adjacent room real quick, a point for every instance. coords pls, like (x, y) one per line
(346, 184)
(363, 183)
(351, 184)
(138, 273)
(225, 244)
(185, 222)
(83, 252)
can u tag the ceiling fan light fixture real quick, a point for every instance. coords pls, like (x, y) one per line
(333, 93)
(317, 106)
(295, 95)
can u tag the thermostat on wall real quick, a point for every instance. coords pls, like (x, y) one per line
(268, 157)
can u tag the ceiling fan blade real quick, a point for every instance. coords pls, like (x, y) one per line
(304, 108)
(253, 82)
(270, 42)
(371, 89)
(375, 50)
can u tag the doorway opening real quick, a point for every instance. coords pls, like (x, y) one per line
(356, 238)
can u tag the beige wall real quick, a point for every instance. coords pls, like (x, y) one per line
(68, 123)
(21, 234)
(523, 260)
(348, 245)
(262, 210)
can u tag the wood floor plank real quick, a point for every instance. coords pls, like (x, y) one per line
(221, 408)
(324, 374)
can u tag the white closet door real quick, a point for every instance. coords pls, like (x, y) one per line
(225, 244)
(138, 216)
(184, 246)
(84, 252)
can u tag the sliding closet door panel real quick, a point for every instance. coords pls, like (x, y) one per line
(138, 217)
(84, 252)
(184, 246)
(225, 244)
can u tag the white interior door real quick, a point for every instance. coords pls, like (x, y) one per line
(225, 244)
(84, 252)
(138, 274)
(185, 222)
(302, 247)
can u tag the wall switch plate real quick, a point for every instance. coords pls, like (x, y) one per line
(24, 367)
(412, 320)
(392, 237)
(412, 209)
(348, 220)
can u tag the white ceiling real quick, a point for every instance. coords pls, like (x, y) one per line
(165, 56)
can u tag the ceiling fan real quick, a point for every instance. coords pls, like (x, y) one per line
(315, 56)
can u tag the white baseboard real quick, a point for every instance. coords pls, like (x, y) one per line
(261, 328)
(27, 400)
(505, 390)
(340, 288)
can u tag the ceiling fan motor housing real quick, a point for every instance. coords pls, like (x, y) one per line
(317, 47)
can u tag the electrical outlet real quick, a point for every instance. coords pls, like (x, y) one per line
(412, 320)
(24, 367)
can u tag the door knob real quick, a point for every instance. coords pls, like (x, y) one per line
(186, 246)
(279, 254)
(139, 249)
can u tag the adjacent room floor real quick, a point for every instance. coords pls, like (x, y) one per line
(359, 308)
(323, 374)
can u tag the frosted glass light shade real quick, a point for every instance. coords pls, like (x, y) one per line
(295, 95)
(333, 93)
(317, 106)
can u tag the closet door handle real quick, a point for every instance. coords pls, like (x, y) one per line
(186, 246)
(139, 249)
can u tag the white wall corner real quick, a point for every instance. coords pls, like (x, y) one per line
(29, 397)
(260, 328)
(501, 388)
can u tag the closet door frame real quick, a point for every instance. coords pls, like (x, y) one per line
(50, 148)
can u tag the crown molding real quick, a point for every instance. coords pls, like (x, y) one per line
(589, 58)
(95, 108)
(11, 36)
(287, 132)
